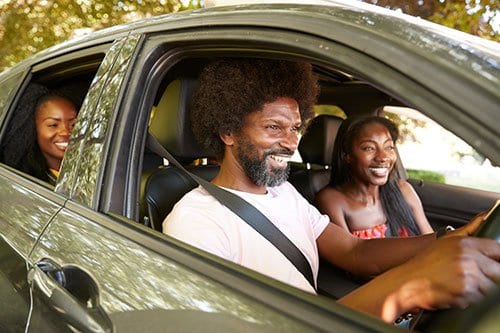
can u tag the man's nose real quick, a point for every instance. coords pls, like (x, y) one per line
(290, 140)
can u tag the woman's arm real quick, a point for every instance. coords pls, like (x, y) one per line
(415, 204)
(330, 202)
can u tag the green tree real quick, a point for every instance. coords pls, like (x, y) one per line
(29, 26)
(477, 17)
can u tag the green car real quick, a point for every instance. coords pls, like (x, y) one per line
(87, 254)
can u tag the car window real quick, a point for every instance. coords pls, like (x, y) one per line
(8, 87)
(432, 153)
(63, 85)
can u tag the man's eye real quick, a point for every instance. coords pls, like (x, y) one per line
(273, 127)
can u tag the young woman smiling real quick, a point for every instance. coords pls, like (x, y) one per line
(365, 195)
(54, 120)
(38, 135)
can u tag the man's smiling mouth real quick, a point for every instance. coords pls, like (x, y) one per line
(281, 158)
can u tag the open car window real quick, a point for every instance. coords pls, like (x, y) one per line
(68, 79)
(432, 153)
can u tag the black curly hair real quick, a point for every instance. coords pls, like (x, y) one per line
(397, 211)
(20, 148)
(231, 88)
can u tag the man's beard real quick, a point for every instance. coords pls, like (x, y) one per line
(257, 169)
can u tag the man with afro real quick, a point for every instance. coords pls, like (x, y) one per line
(249, 113)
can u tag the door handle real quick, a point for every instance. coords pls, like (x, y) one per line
(71, 293)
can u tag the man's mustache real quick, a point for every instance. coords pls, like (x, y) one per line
(284, 151)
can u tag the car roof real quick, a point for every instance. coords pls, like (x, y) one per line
(409, 31)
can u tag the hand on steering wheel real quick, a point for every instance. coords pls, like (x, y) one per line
(486, 225)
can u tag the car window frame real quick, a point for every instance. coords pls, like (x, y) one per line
(385, 78)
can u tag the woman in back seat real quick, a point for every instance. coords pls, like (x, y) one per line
(365, 195)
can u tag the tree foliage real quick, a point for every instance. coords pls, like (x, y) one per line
(477, 17)
(29, 26)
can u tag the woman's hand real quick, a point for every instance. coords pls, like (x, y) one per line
(470, 228)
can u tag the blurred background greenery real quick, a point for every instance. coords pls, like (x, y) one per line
(29, 26)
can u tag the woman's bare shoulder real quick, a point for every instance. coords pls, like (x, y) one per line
(329, 193)
(406, 188)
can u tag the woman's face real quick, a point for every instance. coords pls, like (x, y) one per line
(373, 155)
(54, 121)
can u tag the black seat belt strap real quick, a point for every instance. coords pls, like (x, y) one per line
(247, 212)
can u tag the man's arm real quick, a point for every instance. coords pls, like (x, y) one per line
(454, 271)
(368, 257)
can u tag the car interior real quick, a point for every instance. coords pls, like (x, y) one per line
(163, 184)
(170, 125)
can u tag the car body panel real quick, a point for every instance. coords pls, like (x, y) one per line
(137, 285)
(25, 212)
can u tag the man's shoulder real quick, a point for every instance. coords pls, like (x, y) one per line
(195, 207)
(285, 187)
(197, 197)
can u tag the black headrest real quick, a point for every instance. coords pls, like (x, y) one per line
(170, 122)
(316, 145)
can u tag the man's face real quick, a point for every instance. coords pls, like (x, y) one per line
(267, 141)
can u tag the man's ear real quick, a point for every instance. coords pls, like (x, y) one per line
(227, 138)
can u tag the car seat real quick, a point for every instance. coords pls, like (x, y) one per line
(315, 148)
(171, 126)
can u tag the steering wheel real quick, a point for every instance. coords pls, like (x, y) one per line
(483, 316)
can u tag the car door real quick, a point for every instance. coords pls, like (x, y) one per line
(46, 279)
(26, 207)
(27, 204)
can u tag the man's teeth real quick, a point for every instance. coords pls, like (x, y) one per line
(281, 159)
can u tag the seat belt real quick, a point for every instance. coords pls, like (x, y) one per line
(247, 212)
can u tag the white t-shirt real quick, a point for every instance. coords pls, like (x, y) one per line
(202, 221)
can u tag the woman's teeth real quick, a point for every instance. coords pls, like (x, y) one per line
(62, 145)
(379, 171)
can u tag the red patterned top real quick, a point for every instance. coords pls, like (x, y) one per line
(377, 231)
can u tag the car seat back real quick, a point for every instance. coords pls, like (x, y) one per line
(171, 126)
(315, 148)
